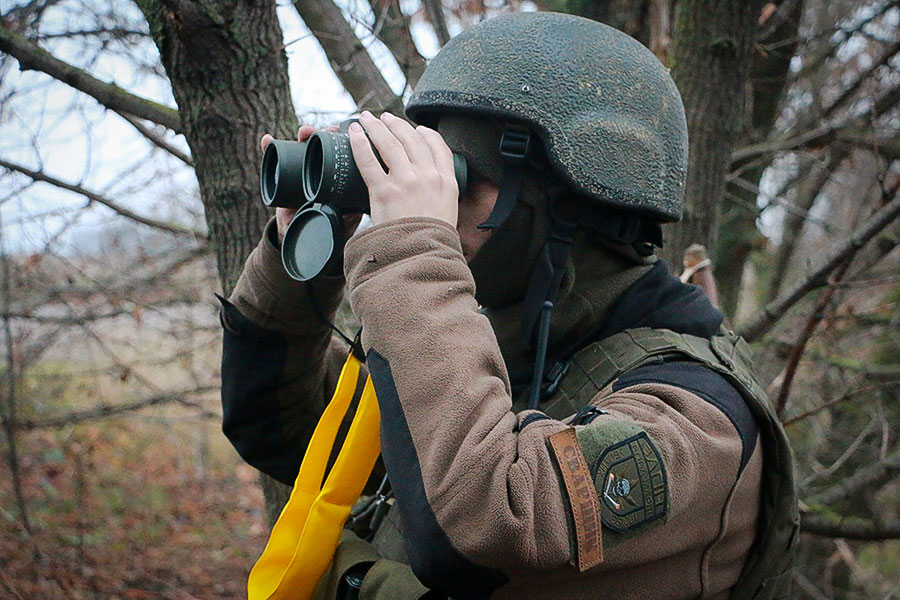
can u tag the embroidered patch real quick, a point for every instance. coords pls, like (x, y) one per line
(631, 483)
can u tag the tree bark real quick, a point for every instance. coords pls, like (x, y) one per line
(711, 54)
(630, 16)
(228, 69)
(737, 231)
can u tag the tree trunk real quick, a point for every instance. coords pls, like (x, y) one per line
(738, 235)
(711, 53)
(228, 69)
(630, 16)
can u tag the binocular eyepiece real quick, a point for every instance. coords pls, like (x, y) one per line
(320, 178)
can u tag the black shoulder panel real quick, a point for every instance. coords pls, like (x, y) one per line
(432, 557)
(253, 360)
(706, 384)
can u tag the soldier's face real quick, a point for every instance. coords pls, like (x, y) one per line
(474, 208)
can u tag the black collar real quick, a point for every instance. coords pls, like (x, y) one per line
(658, 300)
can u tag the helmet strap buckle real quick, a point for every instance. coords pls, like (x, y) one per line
(514, 144)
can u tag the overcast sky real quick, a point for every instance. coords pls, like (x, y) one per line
(47, 125)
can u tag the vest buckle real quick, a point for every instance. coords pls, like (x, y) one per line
(553, 378)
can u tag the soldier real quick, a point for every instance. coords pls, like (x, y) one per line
(561, 418)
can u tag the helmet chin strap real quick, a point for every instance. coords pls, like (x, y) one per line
(515, 144)
(546, 278)
(567, 213)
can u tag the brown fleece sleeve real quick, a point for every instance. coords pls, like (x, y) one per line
(700, 450)
(468, 482)
(279, 375)
(492, 492)
(265, 294)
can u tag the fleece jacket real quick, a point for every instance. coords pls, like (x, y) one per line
(482, 495)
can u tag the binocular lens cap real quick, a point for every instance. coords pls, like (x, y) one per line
(310, 244)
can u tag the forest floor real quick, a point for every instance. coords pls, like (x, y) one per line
(131, 508)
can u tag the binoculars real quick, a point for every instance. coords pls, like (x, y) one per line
(320, 178)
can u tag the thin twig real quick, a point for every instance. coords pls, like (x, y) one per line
(156, 139)
(842, 459)
(851, 528)
(766, 318)
(842, 398)
(815, 317)
(31, 56)
(350, 60)
(392, 27)
(109, 410)
(863, 478)
(9, 414)
(95, 197)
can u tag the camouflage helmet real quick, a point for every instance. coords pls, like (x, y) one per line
(607, 111)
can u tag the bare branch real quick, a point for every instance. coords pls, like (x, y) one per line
(33, 57)
(851, 528)
(819, 137)
(852, 88)
(863, 478)
(82, 318)
(392, 28)
(112, 287)
(842, 398)
(349, 58)
(110, 410)
(763, 321)
(156, 139)
(886, 146)
(95, 197)
(119, 33)
(815, 317)
(811, 181)
(842, 35)
(435, 11)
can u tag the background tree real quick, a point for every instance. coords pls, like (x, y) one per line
(792, 184)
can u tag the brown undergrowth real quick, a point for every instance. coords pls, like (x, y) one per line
(145, 506)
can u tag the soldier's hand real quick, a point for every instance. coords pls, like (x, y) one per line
(283, 216)
(420, 180)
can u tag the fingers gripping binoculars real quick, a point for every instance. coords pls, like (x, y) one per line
(320, 178)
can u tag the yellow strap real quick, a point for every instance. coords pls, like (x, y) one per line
(303, 540)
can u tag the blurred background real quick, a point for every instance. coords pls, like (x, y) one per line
(129, 195)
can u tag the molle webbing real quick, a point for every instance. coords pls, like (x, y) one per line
(767, 572)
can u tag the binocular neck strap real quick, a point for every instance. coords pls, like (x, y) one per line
(515, 144)
(355, 344)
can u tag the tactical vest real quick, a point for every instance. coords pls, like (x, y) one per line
(767, 572)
